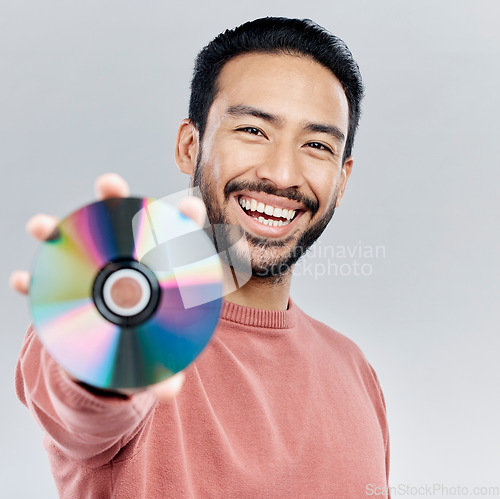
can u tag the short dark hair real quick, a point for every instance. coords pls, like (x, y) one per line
(276, 35)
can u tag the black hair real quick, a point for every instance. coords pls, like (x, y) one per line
(276, 35)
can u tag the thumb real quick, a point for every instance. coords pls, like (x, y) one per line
(168, 389)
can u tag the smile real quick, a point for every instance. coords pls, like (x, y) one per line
(265, 213)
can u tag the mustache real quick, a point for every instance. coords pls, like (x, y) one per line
(292, 194)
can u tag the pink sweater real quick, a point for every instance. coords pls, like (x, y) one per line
(278, 405)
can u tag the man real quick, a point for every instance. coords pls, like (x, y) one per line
(278, 405)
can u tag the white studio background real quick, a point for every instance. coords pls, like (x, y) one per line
(97, 86)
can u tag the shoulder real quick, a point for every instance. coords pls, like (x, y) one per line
(342, 350)
(334, 338)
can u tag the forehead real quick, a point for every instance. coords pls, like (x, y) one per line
(294, 87)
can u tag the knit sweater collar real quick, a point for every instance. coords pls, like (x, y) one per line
(256, 317)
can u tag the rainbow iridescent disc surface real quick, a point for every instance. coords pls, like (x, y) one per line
(173, 253)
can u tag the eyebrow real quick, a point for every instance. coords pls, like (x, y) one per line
(334, 131)
(243, 110)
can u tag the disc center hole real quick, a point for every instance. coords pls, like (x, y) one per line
(126, 292)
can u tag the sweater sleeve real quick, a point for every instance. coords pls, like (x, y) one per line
(85, 426)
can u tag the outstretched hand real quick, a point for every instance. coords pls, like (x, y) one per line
(110, 185)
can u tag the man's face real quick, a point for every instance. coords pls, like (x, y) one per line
(271, 156)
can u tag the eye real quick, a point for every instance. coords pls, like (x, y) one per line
(252, 130)
(319, 146)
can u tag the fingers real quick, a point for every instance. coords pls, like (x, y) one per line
(108, 185)
(168, 389)
(111, 185)
(41, 226)
(194, 208)
(20, 281)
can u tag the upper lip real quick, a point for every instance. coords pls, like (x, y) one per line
(270, 199)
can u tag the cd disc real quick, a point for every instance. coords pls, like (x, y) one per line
(126, 292)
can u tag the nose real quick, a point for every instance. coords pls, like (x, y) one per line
(282, 166)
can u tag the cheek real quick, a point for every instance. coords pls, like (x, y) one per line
(333, 191)
(324, 188)
(229, 160)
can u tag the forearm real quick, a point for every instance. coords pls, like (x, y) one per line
(84, 423)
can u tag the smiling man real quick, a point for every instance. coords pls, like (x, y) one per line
(274, 137)
(279, 404)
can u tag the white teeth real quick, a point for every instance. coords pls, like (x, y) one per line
(254, 205)
(268, 210)
(273, 223)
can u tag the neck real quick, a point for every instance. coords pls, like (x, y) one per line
(258, 292)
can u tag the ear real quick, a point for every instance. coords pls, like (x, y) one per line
(346, 173)
(186, 147)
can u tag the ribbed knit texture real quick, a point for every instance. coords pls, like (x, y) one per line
(256, 317)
